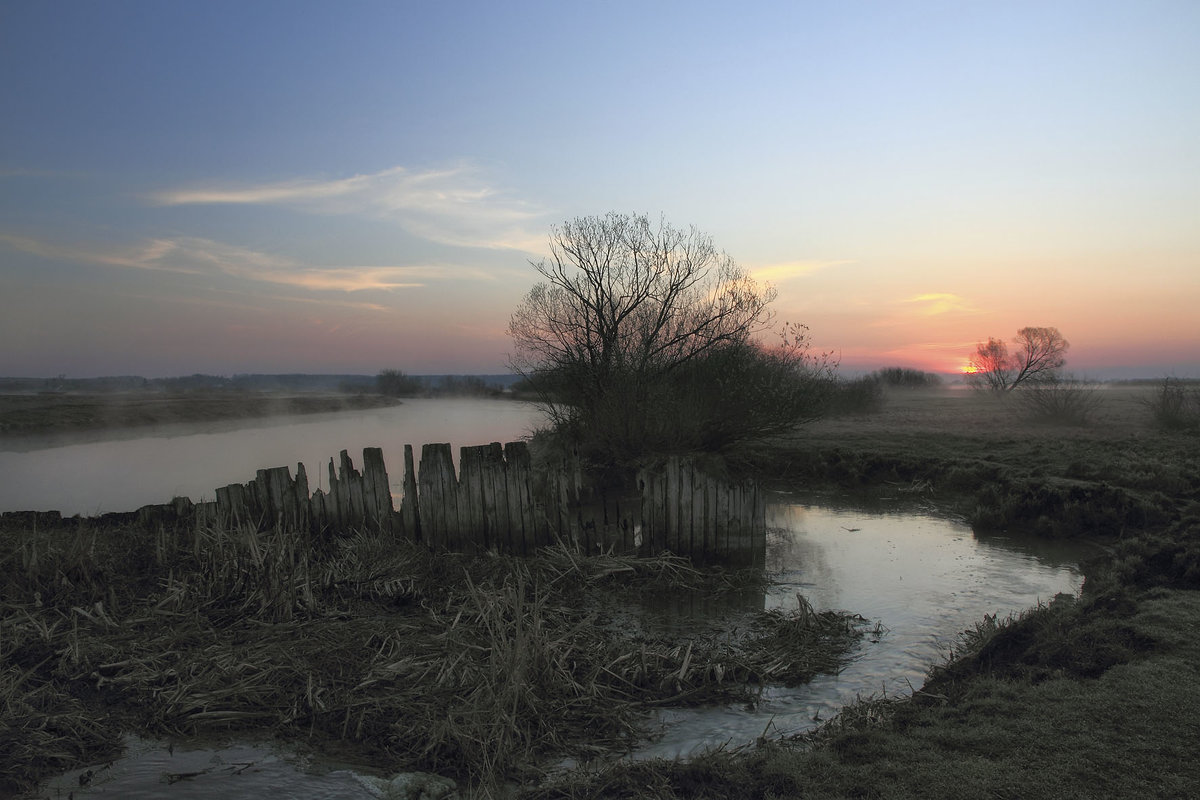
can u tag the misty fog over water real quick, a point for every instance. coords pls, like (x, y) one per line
(155, 464)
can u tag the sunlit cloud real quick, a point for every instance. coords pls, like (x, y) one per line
(929, 305)
(777, 273)
(452, 206)
(198, 256)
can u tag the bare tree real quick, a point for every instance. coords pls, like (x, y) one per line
(626, 316)
(1039, 353)
(991, 366)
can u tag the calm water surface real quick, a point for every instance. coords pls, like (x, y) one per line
(192, 460)
(924, 577)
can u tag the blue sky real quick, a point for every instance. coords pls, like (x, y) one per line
(345, 187)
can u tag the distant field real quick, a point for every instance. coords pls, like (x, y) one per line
(1120, 411)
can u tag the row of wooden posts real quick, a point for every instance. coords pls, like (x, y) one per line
(498, 499)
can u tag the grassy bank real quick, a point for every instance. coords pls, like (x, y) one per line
(981, 456)
(1086, 697)
(36, 414)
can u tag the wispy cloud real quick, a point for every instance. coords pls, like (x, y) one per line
(932, 304)
(777, 273)
(148, 255)
(197, 256)
(454, 206)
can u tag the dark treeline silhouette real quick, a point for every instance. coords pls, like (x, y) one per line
(394, 383)
(906, 378)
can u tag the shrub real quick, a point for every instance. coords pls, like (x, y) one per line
(1175, 405)
(1065, 401)
(858, 396)
(731, 395)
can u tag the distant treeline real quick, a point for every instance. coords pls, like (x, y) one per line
(296, 382)
(394, 383)
(903, 377)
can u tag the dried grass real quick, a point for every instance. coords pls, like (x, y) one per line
(482, 668)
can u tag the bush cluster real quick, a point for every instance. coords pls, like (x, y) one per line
(1175, 405)
(710, 404)
(1063, 401)
(906, 378)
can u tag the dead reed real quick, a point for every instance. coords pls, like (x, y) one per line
(481, 668)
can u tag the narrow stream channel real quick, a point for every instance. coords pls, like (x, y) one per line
(923, 577)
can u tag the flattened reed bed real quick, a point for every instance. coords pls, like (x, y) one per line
(480, 668)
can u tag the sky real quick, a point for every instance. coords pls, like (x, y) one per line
(345, 187)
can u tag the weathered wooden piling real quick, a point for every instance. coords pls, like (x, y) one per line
(499, 500)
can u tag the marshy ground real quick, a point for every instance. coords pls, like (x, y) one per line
(485, 668)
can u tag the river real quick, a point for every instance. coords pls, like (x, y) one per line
(152, 465)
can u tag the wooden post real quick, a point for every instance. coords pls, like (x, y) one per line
(471, 480)
(516, 487)
(721, 520)
(377, 493)
(712, 487)
(671, 505)
(699, 515)
(758, 528)
(337, 503)
(433, 528)
(275, 486)
(353, 486)
(300, 499)
(438, 491)
(495, 498)
(656, 537)
(455, 526)
(410, 506)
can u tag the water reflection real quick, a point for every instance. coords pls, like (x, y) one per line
(194, 459)
(923, 577)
